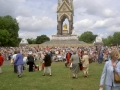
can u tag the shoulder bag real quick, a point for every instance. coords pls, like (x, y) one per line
(116, 77)
(90, 59)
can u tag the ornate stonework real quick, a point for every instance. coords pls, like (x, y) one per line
(65, 10)
(64, 38)
(65, 32)
(23, 42)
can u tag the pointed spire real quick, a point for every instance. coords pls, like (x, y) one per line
(72, 6)
(58, 2)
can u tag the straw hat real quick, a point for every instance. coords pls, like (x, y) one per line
(85, 52)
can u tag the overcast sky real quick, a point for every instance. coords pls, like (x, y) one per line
(38, 17)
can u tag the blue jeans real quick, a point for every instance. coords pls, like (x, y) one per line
(20, 69)
(112, 87)
(100, 60)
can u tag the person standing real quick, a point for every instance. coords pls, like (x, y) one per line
(47, 64)
(41, 60)
(1, 62)
(19, 63)
(85, 62)
(14, 57)
(100, 57)
(75, 64)
(107, 76)
(24, 61)
(68, 56)
(30, 61)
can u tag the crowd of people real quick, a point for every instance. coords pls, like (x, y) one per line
(21, 57)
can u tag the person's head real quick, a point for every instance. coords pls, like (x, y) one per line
(18, 51)
(74, 52)
(25, 54)
(114, 54)
(15, 52)
(46, 52)
(85, 53)
(68, 51)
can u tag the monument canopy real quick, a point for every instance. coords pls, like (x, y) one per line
(65, 32)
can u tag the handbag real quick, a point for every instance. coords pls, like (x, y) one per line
(90, 59)
(116, 77)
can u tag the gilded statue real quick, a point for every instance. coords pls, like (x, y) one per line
(65, 27)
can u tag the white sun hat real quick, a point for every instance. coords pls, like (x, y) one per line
(30, 52)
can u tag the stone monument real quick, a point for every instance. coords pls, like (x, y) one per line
(23, 42)
(98, 40)
(65, 32)
(65, 10)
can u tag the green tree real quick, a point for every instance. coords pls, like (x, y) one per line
(116, 38)
(112, 40)
(11, 25)
(87, 37)
(108, 41)
(4, 38)
(31, 41)
(42, 39)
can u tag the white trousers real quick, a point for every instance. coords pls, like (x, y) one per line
(0, 70)
(47, 69)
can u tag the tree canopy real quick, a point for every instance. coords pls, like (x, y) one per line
(87, 37)
(41, 39)
(112, 40)
(9, 27)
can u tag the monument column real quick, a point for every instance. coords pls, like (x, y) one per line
(59, 28)
(70, 27)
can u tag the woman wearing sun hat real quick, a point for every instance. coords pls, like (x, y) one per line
(30, 61)
(85, 62)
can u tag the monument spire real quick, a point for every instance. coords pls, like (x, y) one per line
(58, 2)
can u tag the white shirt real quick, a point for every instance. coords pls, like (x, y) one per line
(14, 56)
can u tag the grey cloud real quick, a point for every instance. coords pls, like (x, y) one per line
(8, 7)
(100, 8)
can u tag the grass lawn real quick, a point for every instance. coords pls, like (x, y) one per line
(61, 79)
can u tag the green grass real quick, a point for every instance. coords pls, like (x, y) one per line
(60, 79)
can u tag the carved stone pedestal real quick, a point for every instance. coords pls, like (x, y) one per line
(64, 37)
(98, 43)
(65, 32)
